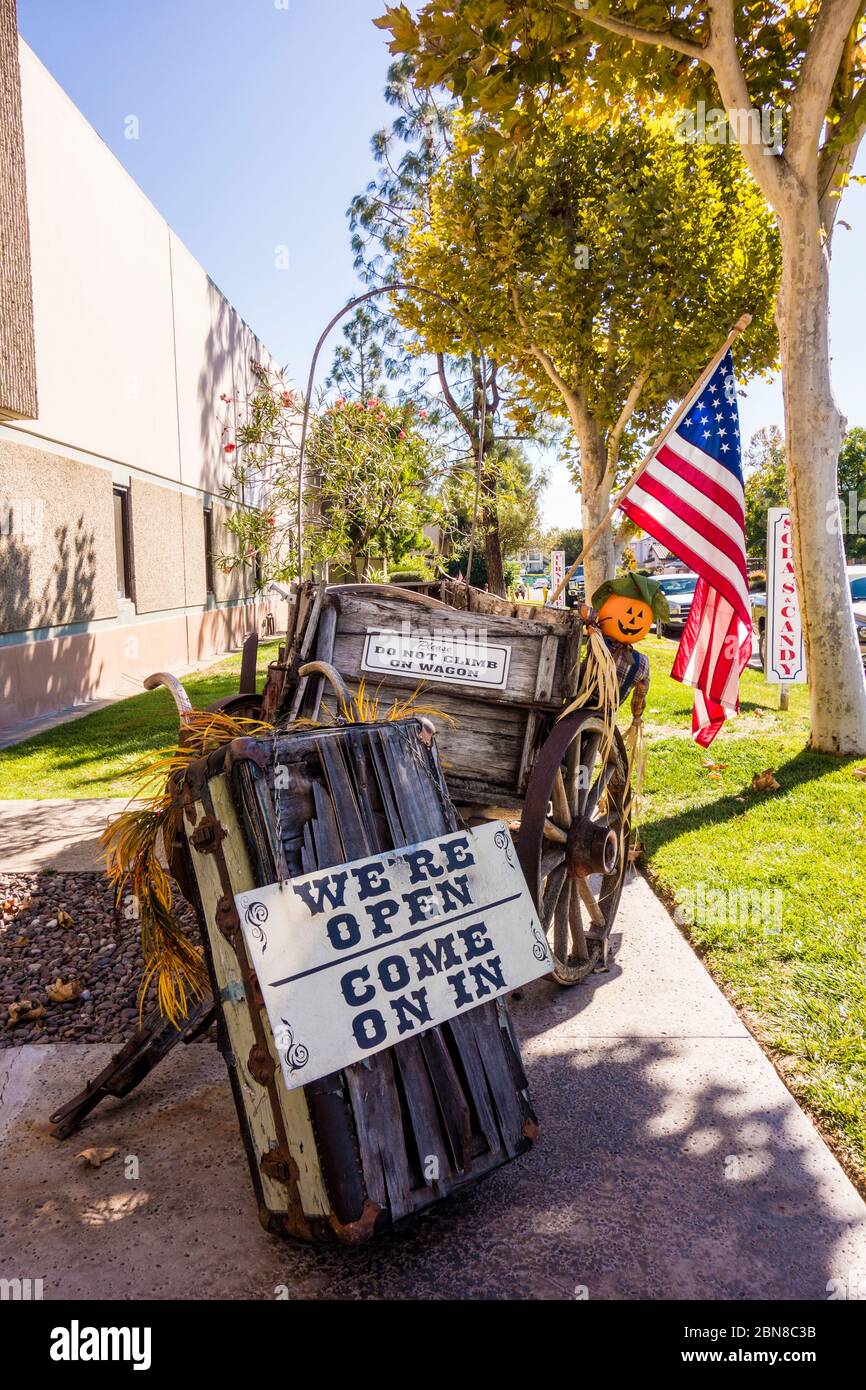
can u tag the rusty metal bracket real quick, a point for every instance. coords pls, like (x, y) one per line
(208, 835)
(261, 1065)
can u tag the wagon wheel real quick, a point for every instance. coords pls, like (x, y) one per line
(573, 841)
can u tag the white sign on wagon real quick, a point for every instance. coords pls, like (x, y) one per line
(437, 656)
(355, 958)
(785, 653)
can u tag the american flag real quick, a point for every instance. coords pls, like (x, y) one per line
(690, 497)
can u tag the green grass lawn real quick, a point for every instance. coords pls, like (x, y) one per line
(789, 946)
(95, 755)
(788, 939)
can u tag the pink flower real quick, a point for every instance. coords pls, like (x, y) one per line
(287, 398)
(381, 415)
(230, 448)
(374, 400)
(402, 434)
(423, 414)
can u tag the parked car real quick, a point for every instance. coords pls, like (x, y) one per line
(857, 585)
(679, 590)
(542, 582)
(574, 589)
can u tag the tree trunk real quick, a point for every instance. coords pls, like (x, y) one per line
(600, 563)
(490, 522)
(814, 428)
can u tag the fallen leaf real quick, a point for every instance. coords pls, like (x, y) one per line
(8, 905)
(23, 1011)
(860, 772)
(63, 918)
(96, 1157)
(765, 781)
(60, 993)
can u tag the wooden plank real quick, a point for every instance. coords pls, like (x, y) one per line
(414, 797)
(453, 1107)
(479, 1093)
(356, 843)
(324, 652)
(386, 791)
(325, 831)
(544, 682)
(376, 1107)
(301, 1141)
(431, 1148)
(484, 1023)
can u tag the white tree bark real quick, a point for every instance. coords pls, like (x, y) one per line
(814, 429)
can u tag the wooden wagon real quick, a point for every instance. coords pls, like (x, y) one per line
(497, 676)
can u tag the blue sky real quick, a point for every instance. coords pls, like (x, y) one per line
(255, 119)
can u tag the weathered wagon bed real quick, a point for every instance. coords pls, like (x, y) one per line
(503, 747)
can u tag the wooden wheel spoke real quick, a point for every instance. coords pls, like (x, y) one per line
(559, 798)
(551, 859)
(561, 925)
(590, 753)
(600, 784)
(590, 902)
(572, 776)
(554, 833)
(552, 893)
(578, 939)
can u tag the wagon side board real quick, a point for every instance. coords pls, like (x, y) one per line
(241, 1036)
(487, 737)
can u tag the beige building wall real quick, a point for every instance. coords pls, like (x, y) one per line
(134, 344)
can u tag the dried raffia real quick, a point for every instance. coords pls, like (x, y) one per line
(131, 844)
(599, 687)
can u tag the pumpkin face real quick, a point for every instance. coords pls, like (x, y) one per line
(625, 619)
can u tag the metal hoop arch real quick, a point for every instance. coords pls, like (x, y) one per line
(352, 304)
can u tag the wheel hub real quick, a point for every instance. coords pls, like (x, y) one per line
(591, 849)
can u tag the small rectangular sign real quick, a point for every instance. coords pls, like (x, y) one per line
(355, 958)
(785, 653)
(557, 573)
(436, 657)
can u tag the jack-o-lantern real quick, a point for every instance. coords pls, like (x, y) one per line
(628, 606)
(625, 619)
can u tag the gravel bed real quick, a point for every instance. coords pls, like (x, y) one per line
(64, 927)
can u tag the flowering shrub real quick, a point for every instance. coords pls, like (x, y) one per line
(369, 486)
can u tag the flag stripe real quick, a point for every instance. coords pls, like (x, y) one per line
(716, 543)
(691, 498)
(720, 496)
(675, 536)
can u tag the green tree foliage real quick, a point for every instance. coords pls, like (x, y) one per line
(370, 469)
(765, 486)
(371, 481)
(852, 490)
(600, 263)
(364, 361)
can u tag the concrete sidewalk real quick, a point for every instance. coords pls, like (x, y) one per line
(61, 834)
(673, 1164)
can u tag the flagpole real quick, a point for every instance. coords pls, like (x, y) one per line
(739, 327)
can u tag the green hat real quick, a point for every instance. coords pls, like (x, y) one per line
(637, 586)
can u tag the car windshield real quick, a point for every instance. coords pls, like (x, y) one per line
(858, 588)
(681, 585)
